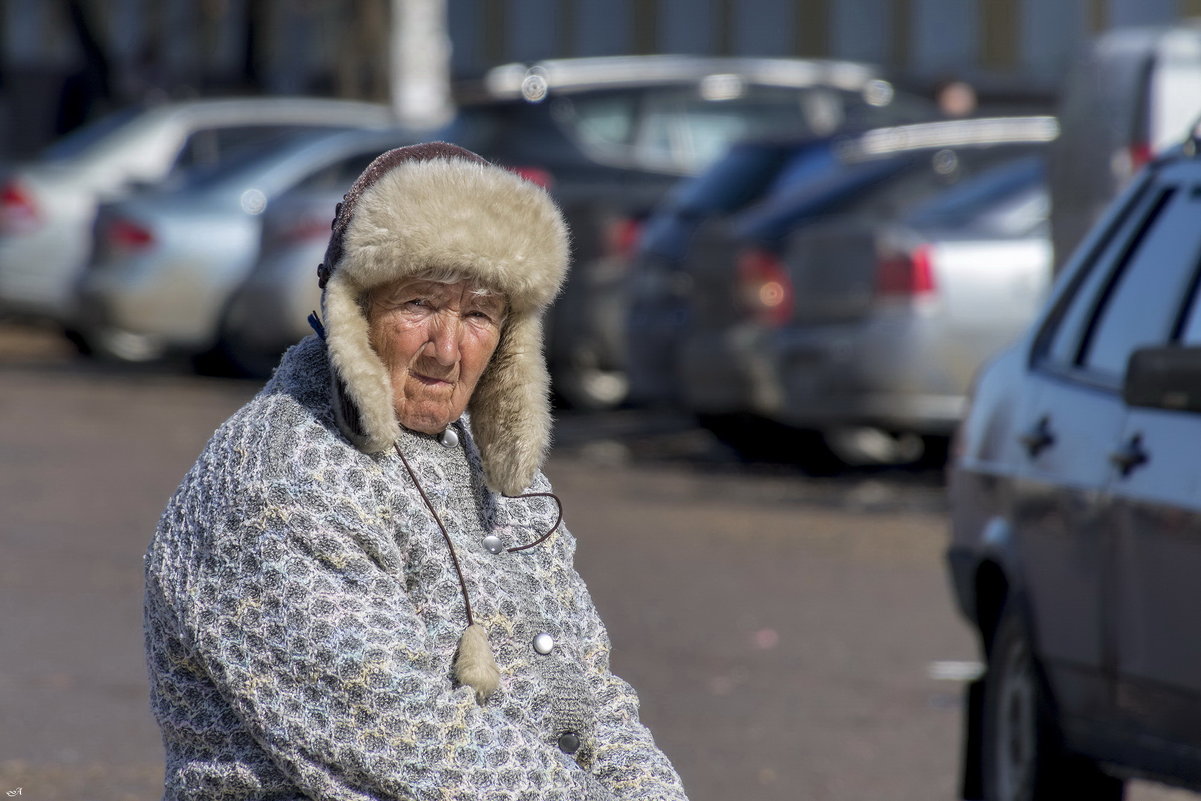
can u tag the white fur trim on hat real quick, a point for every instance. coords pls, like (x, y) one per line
(428, 210)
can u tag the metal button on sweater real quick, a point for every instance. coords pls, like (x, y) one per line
(449, 438)
(544, 643)
(493, 544)
(569, 742)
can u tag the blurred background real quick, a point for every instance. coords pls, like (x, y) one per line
(800, 227)
(65, 61)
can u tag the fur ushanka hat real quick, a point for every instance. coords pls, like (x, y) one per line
(431, 209)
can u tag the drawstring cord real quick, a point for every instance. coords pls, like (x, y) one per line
(474, 665)
(558, 520)
(441, 527)
(454, 558)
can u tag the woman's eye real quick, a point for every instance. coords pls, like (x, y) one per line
(419, 303)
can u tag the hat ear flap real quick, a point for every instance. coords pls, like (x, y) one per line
(510, 409)
(361, 385)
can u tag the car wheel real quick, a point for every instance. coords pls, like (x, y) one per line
(587, 385)
(1023, 758)
(229, 359)
(757, 439)
(120, 346)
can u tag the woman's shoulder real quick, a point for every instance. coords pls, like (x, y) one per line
(286, 434)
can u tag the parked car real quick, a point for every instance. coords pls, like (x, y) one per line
(811, 323)
(1076, 519)
(268, 311)
(609, 136)
(166, 261)
(1133, 92)
(48, 206)
(658, 283)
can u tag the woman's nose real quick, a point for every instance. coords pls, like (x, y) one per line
(444, 339)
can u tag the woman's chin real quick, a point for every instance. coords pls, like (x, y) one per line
(428, 421)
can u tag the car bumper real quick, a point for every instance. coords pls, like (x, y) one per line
(177, 305)
(727, 372)
(37, 271)
(820, 378)
(888, 373)
(654, 336)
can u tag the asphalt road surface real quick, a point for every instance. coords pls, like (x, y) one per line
(791, 638)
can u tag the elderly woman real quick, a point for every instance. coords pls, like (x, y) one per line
(361, 590)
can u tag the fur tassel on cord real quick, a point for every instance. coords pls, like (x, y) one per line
(475, 666)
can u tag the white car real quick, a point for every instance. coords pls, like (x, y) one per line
(47, 207)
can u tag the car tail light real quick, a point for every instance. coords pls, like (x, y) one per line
(312, 229)
(127, 235)
(907, 274)
(1129, 160)
(1139, 154)
(764, 287)
(621, 238)
(18, 212)
(536, 175)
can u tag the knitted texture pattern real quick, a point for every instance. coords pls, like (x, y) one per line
(302, 617)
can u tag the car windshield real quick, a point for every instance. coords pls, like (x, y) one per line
(1000, 199)
(85, 138)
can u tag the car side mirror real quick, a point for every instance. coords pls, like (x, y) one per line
(1167, 377)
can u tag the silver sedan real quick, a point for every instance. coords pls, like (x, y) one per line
(47, 207)
(166, 262)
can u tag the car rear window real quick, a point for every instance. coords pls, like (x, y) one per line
(85, 138)
(1005, 199)
(251, 158)
(210, 146)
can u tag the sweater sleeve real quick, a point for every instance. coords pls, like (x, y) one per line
(321, 655)
(627, 760)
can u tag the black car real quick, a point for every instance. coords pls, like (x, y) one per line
(610, 136)
(1075, 501)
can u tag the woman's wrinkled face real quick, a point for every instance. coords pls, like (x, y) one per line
(436, 340)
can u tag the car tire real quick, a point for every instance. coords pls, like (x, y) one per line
(588, 387)
(757, 439)
(118, 346)
(1023, 757)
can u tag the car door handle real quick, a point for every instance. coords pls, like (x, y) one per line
(1038, 438)
(1130, 455)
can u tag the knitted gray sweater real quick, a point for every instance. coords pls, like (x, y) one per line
(302, 616)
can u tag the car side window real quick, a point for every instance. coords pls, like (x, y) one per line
(1131, 294)
(1061, 342)
(1190, 333)
(1143, 304)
